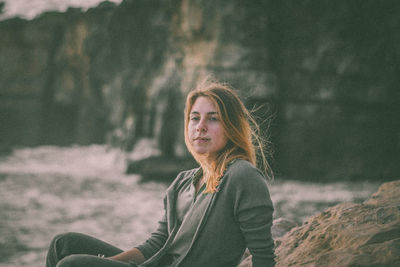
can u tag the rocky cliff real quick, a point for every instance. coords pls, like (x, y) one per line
(348, 234)
(327, 73)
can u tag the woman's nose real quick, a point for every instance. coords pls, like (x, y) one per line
(201, 127)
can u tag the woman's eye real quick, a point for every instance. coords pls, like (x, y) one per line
(194, 118)
(213, 119)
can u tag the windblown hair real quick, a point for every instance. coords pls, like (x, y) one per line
(242, 132)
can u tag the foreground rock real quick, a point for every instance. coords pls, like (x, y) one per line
(348, 234)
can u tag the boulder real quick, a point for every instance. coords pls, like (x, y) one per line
(160, 168)
(348, 234)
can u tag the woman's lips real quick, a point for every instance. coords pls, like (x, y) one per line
(202, 139)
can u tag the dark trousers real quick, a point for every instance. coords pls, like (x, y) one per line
(79, 250)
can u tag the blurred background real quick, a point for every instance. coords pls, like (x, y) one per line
(87, 88)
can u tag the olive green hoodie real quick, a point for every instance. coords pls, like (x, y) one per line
(239, 215)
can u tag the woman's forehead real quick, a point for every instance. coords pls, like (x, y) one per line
(203, 104)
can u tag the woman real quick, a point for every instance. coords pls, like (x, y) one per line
(212, 213)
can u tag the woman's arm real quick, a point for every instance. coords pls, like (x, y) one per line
(253, 210)
(144, 251)
(158, 238)
(153, 244)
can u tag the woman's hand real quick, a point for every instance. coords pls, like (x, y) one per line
(133, 254)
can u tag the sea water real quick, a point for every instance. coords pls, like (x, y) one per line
(49, 190)
(28, 9)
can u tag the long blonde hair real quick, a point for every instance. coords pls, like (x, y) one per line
(241, 130)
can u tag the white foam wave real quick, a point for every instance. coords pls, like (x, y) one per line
(30, 9)
(77, 161)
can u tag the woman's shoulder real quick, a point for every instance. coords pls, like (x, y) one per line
(243, 178)
(240, 169)
(241, 166)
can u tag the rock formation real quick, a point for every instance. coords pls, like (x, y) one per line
(348, 234)
(161, 168)
(327, 71)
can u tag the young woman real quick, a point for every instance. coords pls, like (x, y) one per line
(212, 213)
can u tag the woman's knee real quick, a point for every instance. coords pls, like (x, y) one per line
(66, 238)
(76, 261)
(62, 244)
(67, 261)
(62, 236)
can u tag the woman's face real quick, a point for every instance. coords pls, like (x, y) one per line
(205, 130)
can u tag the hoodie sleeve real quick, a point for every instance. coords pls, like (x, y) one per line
(157, 239)
(253, 210)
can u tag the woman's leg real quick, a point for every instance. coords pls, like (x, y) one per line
(65, 245)
(80, 260)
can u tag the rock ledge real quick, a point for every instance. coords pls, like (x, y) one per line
(348, 234)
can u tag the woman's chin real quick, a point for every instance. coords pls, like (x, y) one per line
(201, 153)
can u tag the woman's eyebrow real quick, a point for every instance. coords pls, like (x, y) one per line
(209, 113)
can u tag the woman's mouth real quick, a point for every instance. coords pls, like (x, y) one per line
(202, 139)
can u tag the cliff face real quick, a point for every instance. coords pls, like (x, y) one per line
(326, 71)
(79, 76)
